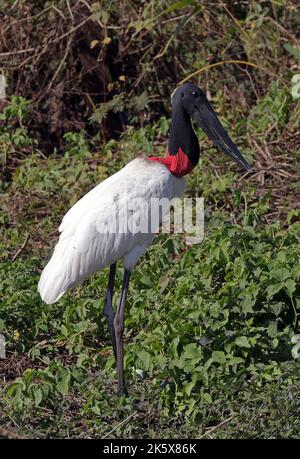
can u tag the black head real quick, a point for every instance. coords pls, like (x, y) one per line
(194, 102)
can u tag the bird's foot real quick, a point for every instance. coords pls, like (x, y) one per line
(122, 392)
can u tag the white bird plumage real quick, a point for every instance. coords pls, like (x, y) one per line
(83, 248)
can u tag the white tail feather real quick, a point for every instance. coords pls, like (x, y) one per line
(61, 273)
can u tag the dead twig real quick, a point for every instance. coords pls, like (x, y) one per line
(212, 429)
(216, 64)
(120, 425)
(60, 65)
(21, 248)
(70, 11)
(280, 27)
(51, 42)
(235, 21)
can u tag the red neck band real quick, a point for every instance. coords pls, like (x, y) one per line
(178, 164)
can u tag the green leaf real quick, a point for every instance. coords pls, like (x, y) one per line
(173, 347)
(272, 329)
(145, 359)
(290, 285)
(292, 50)
(235, 360)
(273, 289)
(242, 341)
(218, 357)
(63, 378)
(15, 392)
(192, 351)
(38, 396)
(280, 274)
(161, 361)
(189, 387)
(64, 330)
(163, 283)
(96, 409)
(296, 348)
(178, 6)
(247, 303)
(276, 308)
(206, 397)
(147, 281)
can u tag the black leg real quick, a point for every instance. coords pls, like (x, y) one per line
(108, 310)
(119, 328)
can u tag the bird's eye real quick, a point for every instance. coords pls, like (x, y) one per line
(195, 94)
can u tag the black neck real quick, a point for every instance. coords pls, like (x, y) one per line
(182, 135)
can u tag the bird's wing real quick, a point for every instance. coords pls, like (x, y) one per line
(87, 202)
(90, 239)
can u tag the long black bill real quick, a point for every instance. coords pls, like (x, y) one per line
(207, 119)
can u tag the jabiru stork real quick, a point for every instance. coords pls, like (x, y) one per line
(85, 246)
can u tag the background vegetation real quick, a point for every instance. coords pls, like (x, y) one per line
(213, 328)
